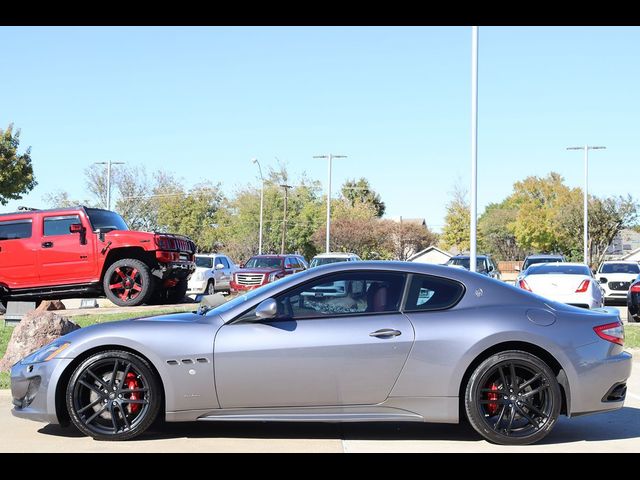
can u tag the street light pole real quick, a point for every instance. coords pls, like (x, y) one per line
(330, 157)
(585, 221)
(108, 164)
(284, 216)
(255, 160)
(474, 150)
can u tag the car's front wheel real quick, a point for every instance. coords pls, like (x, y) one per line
(513, 398)
(128, 282)
(113, 395)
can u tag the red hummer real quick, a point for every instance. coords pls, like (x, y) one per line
(90, 252)
(262, 269)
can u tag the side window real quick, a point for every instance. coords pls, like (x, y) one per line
(59, 225)
(15, 229)
(291, 262)
(432, 293)
(223, 261)
(342, 294)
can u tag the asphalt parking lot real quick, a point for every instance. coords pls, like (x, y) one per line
(617, 431)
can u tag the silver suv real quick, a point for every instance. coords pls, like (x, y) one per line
(485, 265)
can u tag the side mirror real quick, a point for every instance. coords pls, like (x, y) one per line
(241, 265)
(491, 269)
(219, 266)
(267, 309)
(76, 228)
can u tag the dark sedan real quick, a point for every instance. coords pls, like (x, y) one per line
(633, 301)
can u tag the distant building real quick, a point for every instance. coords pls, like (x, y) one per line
(633, 256)
(431, 255)
(623, 244)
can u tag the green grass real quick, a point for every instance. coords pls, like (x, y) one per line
(85, 321)
(632, 335)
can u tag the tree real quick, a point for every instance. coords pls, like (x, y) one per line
(455, 233)
(360, 191)
(16, 171)
(136, 202)
(496, 231)
(60, 199)
(408, 238)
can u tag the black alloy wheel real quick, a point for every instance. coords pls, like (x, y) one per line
(128, 282)
(513, 398)
(113, 395)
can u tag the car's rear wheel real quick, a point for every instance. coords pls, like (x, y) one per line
(631, 318)
(513, 398)
(113, 395)
(128, 282)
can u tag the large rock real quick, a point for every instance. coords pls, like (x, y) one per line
(49, 305)
(35, 330)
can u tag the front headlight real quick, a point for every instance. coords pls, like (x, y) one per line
(46, 353)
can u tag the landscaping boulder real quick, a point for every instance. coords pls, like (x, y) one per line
(36, 329)
(49, 305)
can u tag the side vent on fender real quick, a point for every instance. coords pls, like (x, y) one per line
(202, 360)
(172, 362)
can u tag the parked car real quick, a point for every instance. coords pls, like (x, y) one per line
(213, 274)
(485, 264)
(333, 257)
(570, 283)
(422, 343)
(616, 277)
(262, 269)
(303, 261)
(90, 252)
(541, 258)
(633, 301)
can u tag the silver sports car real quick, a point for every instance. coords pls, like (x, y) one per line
(400, 342)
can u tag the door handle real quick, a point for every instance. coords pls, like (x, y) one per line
(47, 244)
(385, 332)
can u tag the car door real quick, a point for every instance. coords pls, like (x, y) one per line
(65, 257)
(18, 253)
(320, 350)
(225, 273)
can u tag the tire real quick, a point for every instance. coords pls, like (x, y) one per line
(632, 318)
(177, 293)
(128, 282)
(211, 288)
(127, 408)
(520, 417)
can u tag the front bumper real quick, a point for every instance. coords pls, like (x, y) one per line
(237, 287)
(33, 388)
(196, 286)
(599, 367)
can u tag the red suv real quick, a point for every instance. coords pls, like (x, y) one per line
(89, 252)
(262, 269)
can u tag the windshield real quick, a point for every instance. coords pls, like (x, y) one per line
(316, 262)
(204, 262)
(464, 262)
(534, 261)
(264, 262)
(105, 220)
(559, 268)
(620, 268)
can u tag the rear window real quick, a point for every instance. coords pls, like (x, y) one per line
(316, 262)
(534, 261)
(15, 229)
(559, 268)
(432, 293)
(620, 268)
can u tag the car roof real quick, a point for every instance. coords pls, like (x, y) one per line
(210, 255)
(335, 254)
(479, 255)
(51, 210)
(564, 264)
(545, 255)
(629, 262)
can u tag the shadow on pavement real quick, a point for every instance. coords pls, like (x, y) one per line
(618, 425)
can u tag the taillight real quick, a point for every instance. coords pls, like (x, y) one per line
(611, 332)
(523, 285)
(583, 286)
(635, 288)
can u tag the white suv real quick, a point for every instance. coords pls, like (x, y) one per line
(213, 274)
(616, 277)
(333, 257)
(333, 289)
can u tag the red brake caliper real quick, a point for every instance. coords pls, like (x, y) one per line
(132, 382)
(492, 397)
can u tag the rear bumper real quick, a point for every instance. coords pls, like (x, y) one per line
(177, 270)
(598, 372)
(33, 388)
(576, 299)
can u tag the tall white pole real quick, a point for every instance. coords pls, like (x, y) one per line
(586, 205)
(474, 149)
(255, 160)
(329, 206)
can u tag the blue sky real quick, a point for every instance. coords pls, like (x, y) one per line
(201, 102)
